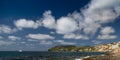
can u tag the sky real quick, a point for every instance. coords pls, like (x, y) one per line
(37, 25)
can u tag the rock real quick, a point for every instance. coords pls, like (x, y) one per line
(88, 59)
(116, 52)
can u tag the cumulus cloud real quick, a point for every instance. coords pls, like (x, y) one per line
(91, 28)
(107, 33)
(74, 36)
(102, 11)
(5, 43)
(24, 23)
(64, 43)
(96, 42)
(46, 42)
(48, 20)
(14, 38)
(40, 36)
(7, 29)
(66, 25)
(107, 36)
(23, 42)
(99, 12)
(107, 30)
(1, 37)
(32, 40)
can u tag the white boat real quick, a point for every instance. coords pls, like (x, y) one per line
(20, 50)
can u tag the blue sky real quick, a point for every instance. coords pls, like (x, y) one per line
(36, 25)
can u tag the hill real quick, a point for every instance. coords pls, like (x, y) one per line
(72, 48)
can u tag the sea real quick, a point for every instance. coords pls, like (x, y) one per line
(45, 55)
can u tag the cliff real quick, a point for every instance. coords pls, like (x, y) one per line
(108, 47)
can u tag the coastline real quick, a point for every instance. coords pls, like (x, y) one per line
(108, 56)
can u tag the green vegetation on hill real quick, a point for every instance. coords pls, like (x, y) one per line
(72, 48)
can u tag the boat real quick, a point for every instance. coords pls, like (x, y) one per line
(20, 51)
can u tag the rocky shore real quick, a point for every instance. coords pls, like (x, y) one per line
(113, 55)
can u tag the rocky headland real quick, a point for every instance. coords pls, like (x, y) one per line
(112, 50)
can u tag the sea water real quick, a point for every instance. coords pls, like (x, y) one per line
(44, 55)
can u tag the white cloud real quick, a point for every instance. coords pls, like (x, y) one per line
(76, 16)
(107, 33)
(97, 4)
(107, 30)
(23, 42)
(99, 12)
(1, 37)
(5, 42)
(90, 28)
(23, 23)
(66, 25)
(48, 20)
(67, 43)
(107, 36)
(46, 42)
(96, 42)
(40, 36)
(32, 40)
(6, 29)
(14, 38)
(58, 40)
(64, 43)
(102, 11)
(74, 36)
